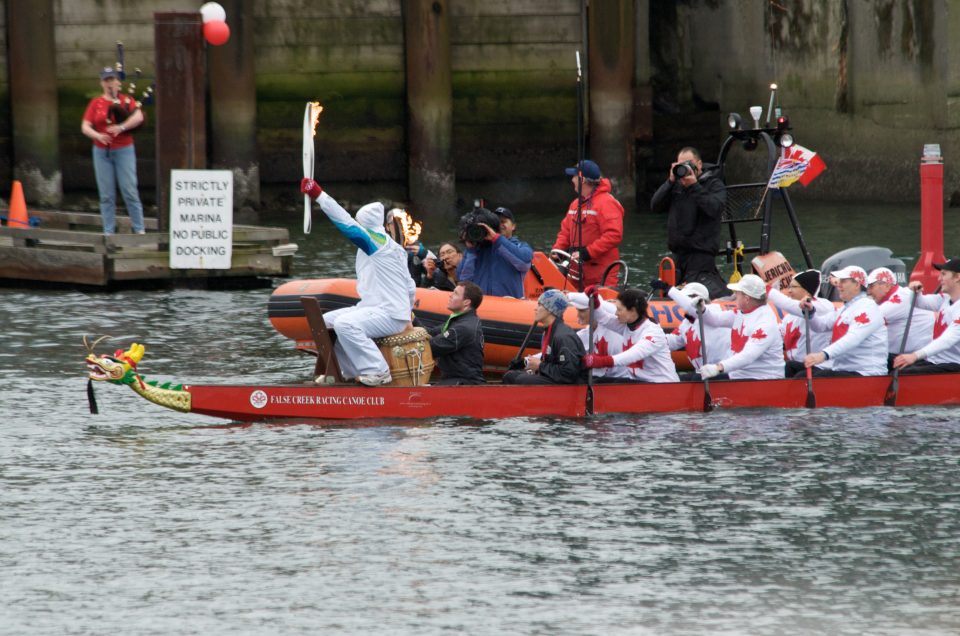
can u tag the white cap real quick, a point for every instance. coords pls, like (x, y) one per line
(696, 290)
(751, 285)
(881, 275)
(851, 271)
(578, 300)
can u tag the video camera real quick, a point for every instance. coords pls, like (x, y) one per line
(683, 169)
(469, 227)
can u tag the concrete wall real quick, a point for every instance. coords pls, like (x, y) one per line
(866, 84)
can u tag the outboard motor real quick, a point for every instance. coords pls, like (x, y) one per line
(866, 256)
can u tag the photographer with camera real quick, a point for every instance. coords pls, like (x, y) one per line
(593, 227)
(495, 261)
(694, 196)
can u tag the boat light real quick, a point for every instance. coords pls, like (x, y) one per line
(756, 112)
(734, 121)
(786, 140)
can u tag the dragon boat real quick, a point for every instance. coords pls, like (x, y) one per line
(346, 402)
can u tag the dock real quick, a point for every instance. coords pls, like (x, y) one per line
(70, 248)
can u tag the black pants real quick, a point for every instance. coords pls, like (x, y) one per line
(925, 366)
(522, 377)
(700, 267)
(794, 369)
(456, 382)
(828, 373)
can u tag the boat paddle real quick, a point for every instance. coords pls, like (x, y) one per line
(515, 363)
(707, 399)
(590, 310)
(890, 399)
(811, 396)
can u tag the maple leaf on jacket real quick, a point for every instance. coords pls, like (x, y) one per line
(602, 346)
(633, 365)
(840, 329)
(693, 345)
(738, 340)
(940, 325)
(791, 337)
(863, 319)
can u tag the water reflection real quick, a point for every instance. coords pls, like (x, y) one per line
(143, 520)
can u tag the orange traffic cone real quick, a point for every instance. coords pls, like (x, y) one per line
(17, 216)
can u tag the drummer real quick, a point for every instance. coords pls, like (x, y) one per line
(383, 283)
(457, 344)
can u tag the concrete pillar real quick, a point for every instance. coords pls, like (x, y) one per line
(610, 27)
(233, 112)
(429, 106)
(33, 100)
(181, 100)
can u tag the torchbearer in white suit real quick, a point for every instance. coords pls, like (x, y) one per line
(384, 285)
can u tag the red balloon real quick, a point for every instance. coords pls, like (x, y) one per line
(216, 32)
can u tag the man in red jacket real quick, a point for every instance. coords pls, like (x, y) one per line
(593, 228)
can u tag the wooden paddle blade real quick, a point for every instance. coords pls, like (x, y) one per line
(811, 399)
(707, 401)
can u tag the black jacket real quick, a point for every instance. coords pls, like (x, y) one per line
(694, 221)
(458, 351)
(560, 363)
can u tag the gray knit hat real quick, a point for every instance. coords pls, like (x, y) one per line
(554, 301)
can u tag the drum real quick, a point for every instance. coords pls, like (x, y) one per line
(409, 356)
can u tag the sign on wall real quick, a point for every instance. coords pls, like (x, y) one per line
(201, 219)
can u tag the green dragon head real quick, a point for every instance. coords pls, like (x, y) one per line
(120, 368)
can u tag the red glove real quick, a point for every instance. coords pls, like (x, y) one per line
(311, 188)
(597, 361)
(593, 294)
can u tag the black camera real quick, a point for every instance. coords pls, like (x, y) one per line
(470, 228)
(683, 169)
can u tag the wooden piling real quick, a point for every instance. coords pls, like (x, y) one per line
(429, 106)
(233, 114)
(181, 100)
(33, 101)
(611, 58)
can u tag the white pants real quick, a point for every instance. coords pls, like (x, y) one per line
(355, 327)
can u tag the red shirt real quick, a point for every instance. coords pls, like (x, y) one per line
(98, 114)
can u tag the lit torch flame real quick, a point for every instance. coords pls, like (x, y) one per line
(315, 110)
(409, 227)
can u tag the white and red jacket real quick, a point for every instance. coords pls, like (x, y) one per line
(606, 342)
(858, 340)
(793, 329)
(755, 342)
(945, 346)
(644, 351)
(687, 336)
(895, 307)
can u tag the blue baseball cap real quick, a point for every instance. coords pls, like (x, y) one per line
(109, 71)
(589, 169)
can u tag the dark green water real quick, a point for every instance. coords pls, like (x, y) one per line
(145, 521)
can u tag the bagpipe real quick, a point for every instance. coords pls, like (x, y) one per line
(120, 110)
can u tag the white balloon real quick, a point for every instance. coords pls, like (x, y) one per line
(213, 12)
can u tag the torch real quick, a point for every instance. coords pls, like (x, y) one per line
(311, 115)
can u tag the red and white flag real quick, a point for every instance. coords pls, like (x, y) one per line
(796, 164)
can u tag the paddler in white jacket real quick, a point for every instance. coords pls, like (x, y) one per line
(384, 285)
(858, 341)
(687, 335)
(793, 327)
(942, 353)
(755, 341)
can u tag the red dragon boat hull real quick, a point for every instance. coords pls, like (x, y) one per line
(495, 401)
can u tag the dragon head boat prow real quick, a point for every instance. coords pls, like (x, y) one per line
(121, 368)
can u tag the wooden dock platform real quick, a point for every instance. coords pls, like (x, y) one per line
(70, 248)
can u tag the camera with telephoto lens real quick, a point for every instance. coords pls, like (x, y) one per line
(683, 169)
(470, 228)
